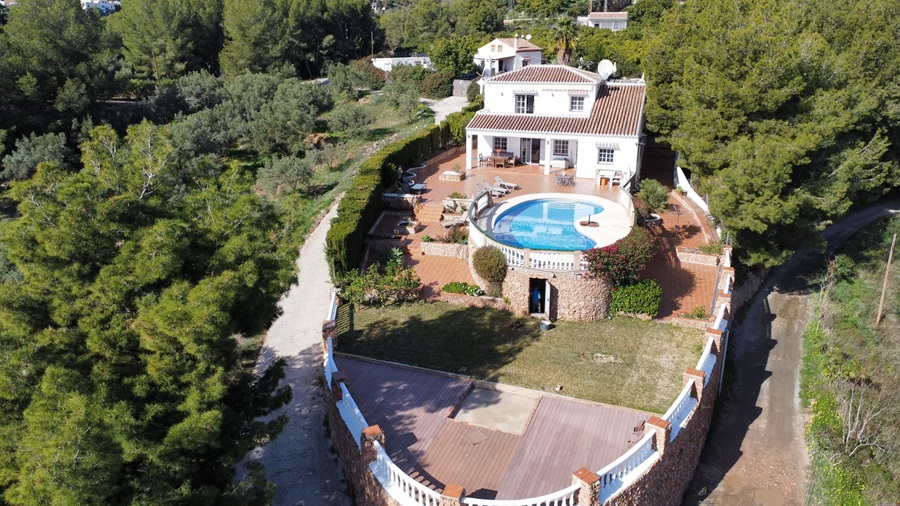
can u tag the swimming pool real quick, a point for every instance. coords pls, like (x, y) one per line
(546, 224)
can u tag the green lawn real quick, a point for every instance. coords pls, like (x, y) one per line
(623, 361)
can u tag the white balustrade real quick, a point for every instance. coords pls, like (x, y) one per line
(627, 468)
(330, 365)
(333, 307)
(721, 322)
(680, 410)
(351, 415)
(707, 361)
(398, 484)
(564, 497)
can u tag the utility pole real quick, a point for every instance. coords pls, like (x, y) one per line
(887, 271)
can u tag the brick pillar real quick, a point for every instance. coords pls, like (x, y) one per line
(697, 378)
(369, 435)
(715, 335)
(727, 273)
(336, 379)
(329, 329)
(663, 430)
(453, 495)
(589, 493)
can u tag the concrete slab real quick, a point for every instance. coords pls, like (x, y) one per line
(499, 410)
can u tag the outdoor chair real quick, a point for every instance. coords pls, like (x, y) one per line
(505, 184)
(496, 187)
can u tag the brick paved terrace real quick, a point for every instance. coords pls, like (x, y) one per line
(685, 286)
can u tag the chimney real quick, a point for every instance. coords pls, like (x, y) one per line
(517, 41)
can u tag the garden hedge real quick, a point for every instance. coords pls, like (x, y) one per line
(642, 297)
(361, 205)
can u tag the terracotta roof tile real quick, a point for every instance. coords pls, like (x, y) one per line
(547, 74)
(608, 15)
(617, 111)
(524, 45)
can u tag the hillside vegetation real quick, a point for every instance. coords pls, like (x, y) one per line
(850, 380)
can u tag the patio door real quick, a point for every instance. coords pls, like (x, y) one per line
(531, 150)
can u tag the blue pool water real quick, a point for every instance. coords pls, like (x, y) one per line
(545, 224)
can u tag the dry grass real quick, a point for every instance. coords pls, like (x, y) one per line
(623, 361)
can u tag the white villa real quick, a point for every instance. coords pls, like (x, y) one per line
(561, 117)
(614, 21)
(505, 55)
(388, 64)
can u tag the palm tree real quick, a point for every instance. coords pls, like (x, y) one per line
(564, 30)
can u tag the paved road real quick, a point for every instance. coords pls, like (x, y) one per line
(301, 460)
(755, 453)
(445, 106)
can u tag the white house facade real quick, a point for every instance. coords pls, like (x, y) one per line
(557, 116)
(614, 21)
(507, 54)
(388, 64)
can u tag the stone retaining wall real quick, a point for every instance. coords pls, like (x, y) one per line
(572, 297)
(458, 299)
(363, 485)
(667, 480)
(692, 256)
(445, 249)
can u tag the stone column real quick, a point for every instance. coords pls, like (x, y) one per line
(453, 495)
(369, 435)
(468, 152)
(697, 378)
(548, 155)
(589, 493)
(663, 430)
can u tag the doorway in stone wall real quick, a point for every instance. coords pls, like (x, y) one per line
(537, 297)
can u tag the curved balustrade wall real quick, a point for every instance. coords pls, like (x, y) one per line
(656, 470)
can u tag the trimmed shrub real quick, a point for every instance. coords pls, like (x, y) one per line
(655, 194)
(623, 260)
(642, 297)
(463, 288)
(473, 91)
(490, 263)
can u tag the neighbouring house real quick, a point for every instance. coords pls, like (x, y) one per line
(562, 117)
(104, 6)
(614, 21)
(418, 60)
(507, 54)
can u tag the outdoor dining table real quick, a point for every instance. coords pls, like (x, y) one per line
(498, 161)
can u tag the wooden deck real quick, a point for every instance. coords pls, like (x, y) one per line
(413, 406)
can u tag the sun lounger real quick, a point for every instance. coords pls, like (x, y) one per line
(505, 184)
(455, 221)
(496, 187)
(488, 188)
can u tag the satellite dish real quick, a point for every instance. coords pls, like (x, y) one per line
(605, 69)
(528, 37)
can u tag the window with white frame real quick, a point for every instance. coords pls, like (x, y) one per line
(605, 155)
(560, 148)
(576, 103)
(499, 143)
(524, 104)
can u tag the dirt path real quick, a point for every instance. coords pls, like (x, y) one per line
(301, 461)
(755, 453)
